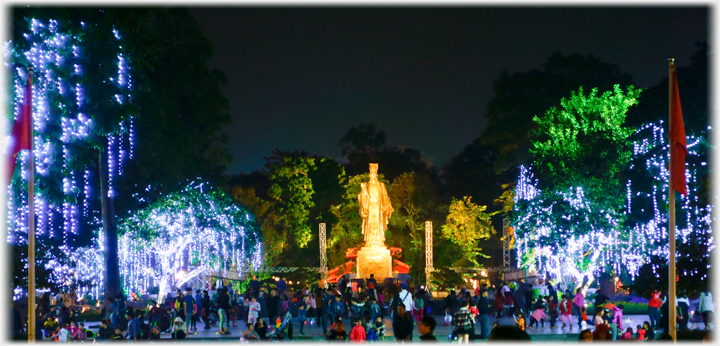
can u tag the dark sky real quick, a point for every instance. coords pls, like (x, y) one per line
(299, 78)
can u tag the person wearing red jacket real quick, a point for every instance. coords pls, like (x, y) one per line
(358, 332)
(566, 311)
(654, 309)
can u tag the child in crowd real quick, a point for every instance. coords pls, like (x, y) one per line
(537, 317)
(566, 311)
(640, 333)
(379, 328)
(302, 317)
(118, 335)
(358, 332)
(552, 310)
(254, 310)
(628, 334)
(520, 322)
(374, 310)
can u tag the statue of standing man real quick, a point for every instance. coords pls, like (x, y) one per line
(375, 209)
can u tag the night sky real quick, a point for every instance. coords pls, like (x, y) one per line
(299, 78)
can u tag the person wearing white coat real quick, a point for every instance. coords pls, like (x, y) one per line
(706, 307)
(406, 298)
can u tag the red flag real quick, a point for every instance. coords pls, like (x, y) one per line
(678, 143)
(20, 136)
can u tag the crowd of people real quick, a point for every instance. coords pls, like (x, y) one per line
(358, 311)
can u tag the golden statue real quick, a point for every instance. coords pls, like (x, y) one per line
(375, 209)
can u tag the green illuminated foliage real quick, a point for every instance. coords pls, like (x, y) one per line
(293, 189)
(466, 224)
(585, 143)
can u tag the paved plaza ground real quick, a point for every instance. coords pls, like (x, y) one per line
(314, 334)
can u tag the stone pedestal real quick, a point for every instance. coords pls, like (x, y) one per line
(374, 260)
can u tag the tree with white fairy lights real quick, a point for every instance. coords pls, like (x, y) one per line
(83, 128)
(595, 199)
(198, 228)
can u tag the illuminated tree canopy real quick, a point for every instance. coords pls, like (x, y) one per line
(599, 203)
(199, 226)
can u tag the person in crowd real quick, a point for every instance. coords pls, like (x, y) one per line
(499, 302)
(118, 335)
(272, 305)
(261, 328)
(649, 331)
(552, 306)
(586, 336)
(402, 324)
(104, 332)
(253, 310)
(664, 316)
(302, 318)
(505, 333)
(250, 334)
(189, 303)
(520, 321)
(616, 324)
(537, 317)
(328, 308)
(379, 328)
(255, 286)
(178, 329)
(358, 334)
(317, 295)
(337, 332)
(418, 307)
(427, 327)
(598, 319)
(337, 309)
(374, 310)
(628, 334)
(463, 323)
(483, 311)
(683, 315)
(706, 307)
(640, 332)
(205, 302)
(371, 283)
(49, 325)
(578, 303)
(133, 330)
(281, 286)
(509, 303)
(223, 309)
(654, 309)
(566, 311)
(529, 305)
(451, 302)
(602, 332)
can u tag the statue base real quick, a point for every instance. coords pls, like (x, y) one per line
(374, 260)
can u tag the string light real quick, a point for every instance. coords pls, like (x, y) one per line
(57, 59)
(561, 247)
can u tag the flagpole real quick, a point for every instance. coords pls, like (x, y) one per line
(31, 220)
(671, 230)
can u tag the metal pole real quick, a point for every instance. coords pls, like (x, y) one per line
(31, 221)
(323, 251)
(428, 252)
(671, 230)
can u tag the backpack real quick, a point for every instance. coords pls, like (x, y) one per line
(285, 306)
(371, 285)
